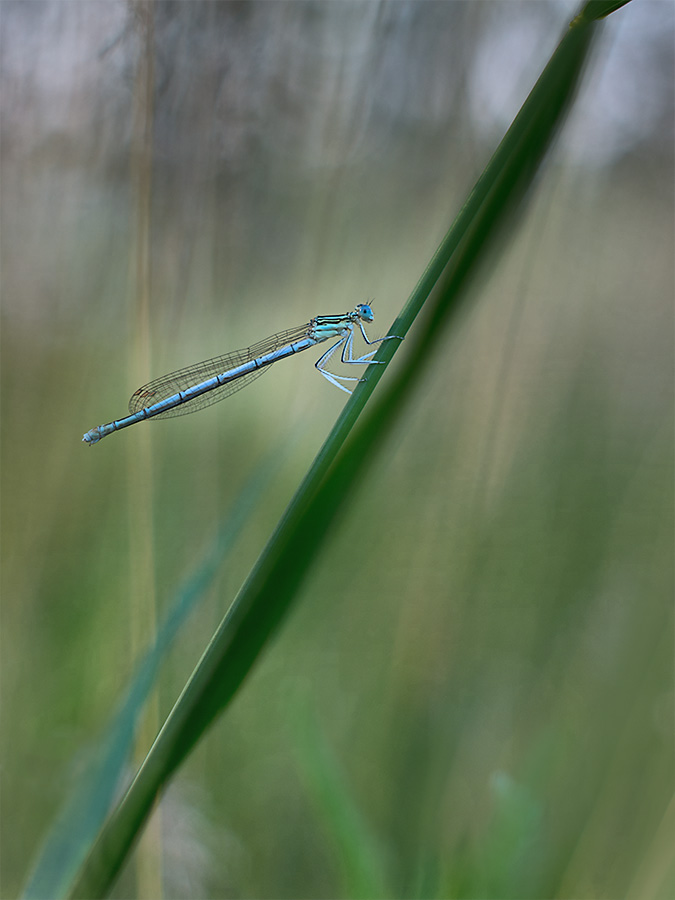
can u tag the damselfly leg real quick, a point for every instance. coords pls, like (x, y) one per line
(347, 356)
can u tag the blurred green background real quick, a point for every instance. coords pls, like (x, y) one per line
(486, 646)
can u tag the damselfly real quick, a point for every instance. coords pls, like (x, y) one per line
(200, 385)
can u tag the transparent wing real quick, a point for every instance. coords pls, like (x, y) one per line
(182, 379)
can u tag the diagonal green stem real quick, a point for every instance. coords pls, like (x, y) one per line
(271, 586)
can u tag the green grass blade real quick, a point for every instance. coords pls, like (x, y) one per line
(269, 590)
(72, 835)
(357, 854)
(600, 9)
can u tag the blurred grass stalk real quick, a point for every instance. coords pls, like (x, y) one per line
(143, 605)
(72, 834)
(273, 583)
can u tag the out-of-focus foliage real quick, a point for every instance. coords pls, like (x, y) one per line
(487, 644)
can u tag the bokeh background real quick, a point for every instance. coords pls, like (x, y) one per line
(486, 645)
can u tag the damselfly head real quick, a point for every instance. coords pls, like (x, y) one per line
(364, 311)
